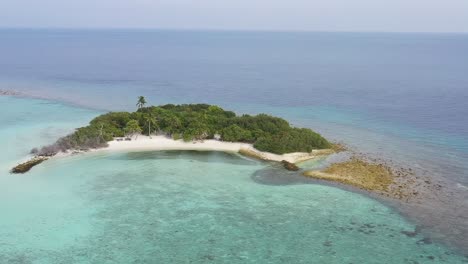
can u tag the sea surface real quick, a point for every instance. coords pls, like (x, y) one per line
(398, 97)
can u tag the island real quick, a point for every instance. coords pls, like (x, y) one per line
(189, 127)
(204, 127)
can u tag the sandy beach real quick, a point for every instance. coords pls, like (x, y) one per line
(154, 143)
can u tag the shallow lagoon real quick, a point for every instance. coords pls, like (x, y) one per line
(181, 207)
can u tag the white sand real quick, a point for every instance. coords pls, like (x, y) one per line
(145, 143)
(155, 143)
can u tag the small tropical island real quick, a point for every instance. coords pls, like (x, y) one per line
(181, 126)
(205, 127)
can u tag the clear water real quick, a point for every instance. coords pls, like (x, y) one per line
(26, 124)
(398, 96)
(189, 207)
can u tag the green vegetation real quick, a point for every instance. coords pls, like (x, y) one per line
(141, 102)
(193, 122)
(132, 128)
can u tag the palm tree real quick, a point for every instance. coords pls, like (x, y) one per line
(151, 120)
(141, 102)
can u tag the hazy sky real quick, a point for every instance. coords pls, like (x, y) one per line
(316, 15)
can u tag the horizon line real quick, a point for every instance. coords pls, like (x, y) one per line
(227, 30)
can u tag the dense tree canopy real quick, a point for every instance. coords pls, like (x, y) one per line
(197, 121)
(132, 128)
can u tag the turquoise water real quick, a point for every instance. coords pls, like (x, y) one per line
(401, 97)
(27, 123)
(182, 207)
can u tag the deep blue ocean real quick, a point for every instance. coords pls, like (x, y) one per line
(400, 97)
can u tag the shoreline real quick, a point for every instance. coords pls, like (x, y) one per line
(160, 143)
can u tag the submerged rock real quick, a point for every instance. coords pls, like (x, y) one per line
(289, 166)
(276, 175)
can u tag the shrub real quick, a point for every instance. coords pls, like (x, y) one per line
(193, 121)
(235, 133)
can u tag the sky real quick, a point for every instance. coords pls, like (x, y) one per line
(276, 15)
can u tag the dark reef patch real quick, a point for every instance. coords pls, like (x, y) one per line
(201, 156)
(276, 175)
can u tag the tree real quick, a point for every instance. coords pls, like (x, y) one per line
(132, 128)
(170, 123)
(141, 102)
(193, 122)
(150, 120)
(196, 130)
(101, 132)
(235, 133)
